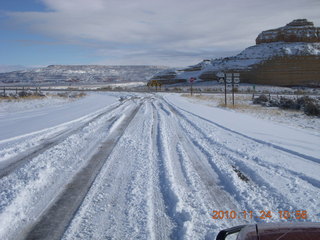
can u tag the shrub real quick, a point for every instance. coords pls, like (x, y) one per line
(310, 106)
(302, 101)
(312, 109)
(4, 95)
(262, 99)
(274, 103)
(288, 103)
(25, 94)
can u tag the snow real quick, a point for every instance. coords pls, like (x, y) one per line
(257, 53)
(291, 140)
(32, 116)
(12, 106)
(254, 55)
(57, 75)
(173, 161)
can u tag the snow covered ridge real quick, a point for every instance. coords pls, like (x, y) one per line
(268, 50)
(78, 74)
(295, 49)
(243, 61)
(261, 52)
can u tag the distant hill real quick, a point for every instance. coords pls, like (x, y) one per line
(11, 68)
(285, 56)
(79, 74)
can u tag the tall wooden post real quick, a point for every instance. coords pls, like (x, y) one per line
(232, 89)
(225, 89)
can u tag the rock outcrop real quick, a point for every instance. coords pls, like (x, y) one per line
(285, 56)
(299, 30)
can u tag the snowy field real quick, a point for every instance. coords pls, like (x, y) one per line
(151, 166)
(243, 104)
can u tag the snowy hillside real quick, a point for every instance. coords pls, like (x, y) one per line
(288, 43)
(80, 74)
(254, 55)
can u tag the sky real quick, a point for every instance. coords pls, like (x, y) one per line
(134, 32)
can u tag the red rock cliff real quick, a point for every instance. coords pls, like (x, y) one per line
(299, 30)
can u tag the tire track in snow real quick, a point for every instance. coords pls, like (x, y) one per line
(280, 200)
(221, 164)
(295, 153)
(55, 220)
(161, 181)
(227, 178)
(193, 183)
(30, 153)
(158, 217)
(125, 200)
(167, 182)
(26, 192)
(188, 189)
(275, 169)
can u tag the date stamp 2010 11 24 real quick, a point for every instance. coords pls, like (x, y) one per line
(263, 214)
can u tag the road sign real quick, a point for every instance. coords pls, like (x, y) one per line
(236, 80)
(220, 74)
(192, 79)
(230, 80)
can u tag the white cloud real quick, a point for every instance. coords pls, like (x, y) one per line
(167, 26)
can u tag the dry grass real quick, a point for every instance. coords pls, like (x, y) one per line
(17, 99)
(243, 104)
(199, 96)
(65, 95)
(239, 105)
(219, 101)
(82, 94)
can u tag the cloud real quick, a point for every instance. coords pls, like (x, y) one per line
(163, 26)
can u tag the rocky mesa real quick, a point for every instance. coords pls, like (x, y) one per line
(299, 30)
(286, 56)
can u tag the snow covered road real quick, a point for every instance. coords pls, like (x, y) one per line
(152, 166)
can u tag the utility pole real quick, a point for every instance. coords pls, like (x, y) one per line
(191, 89)
(232, 93)
(232, 79)
(191, 80)
(229, 80)
(225, 90)
(235, 83)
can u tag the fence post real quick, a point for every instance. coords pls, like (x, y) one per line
(225, 89)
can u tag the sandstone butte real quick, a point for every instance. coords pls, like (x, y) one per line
(299, 30)
(302, 69)
(286, 56)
